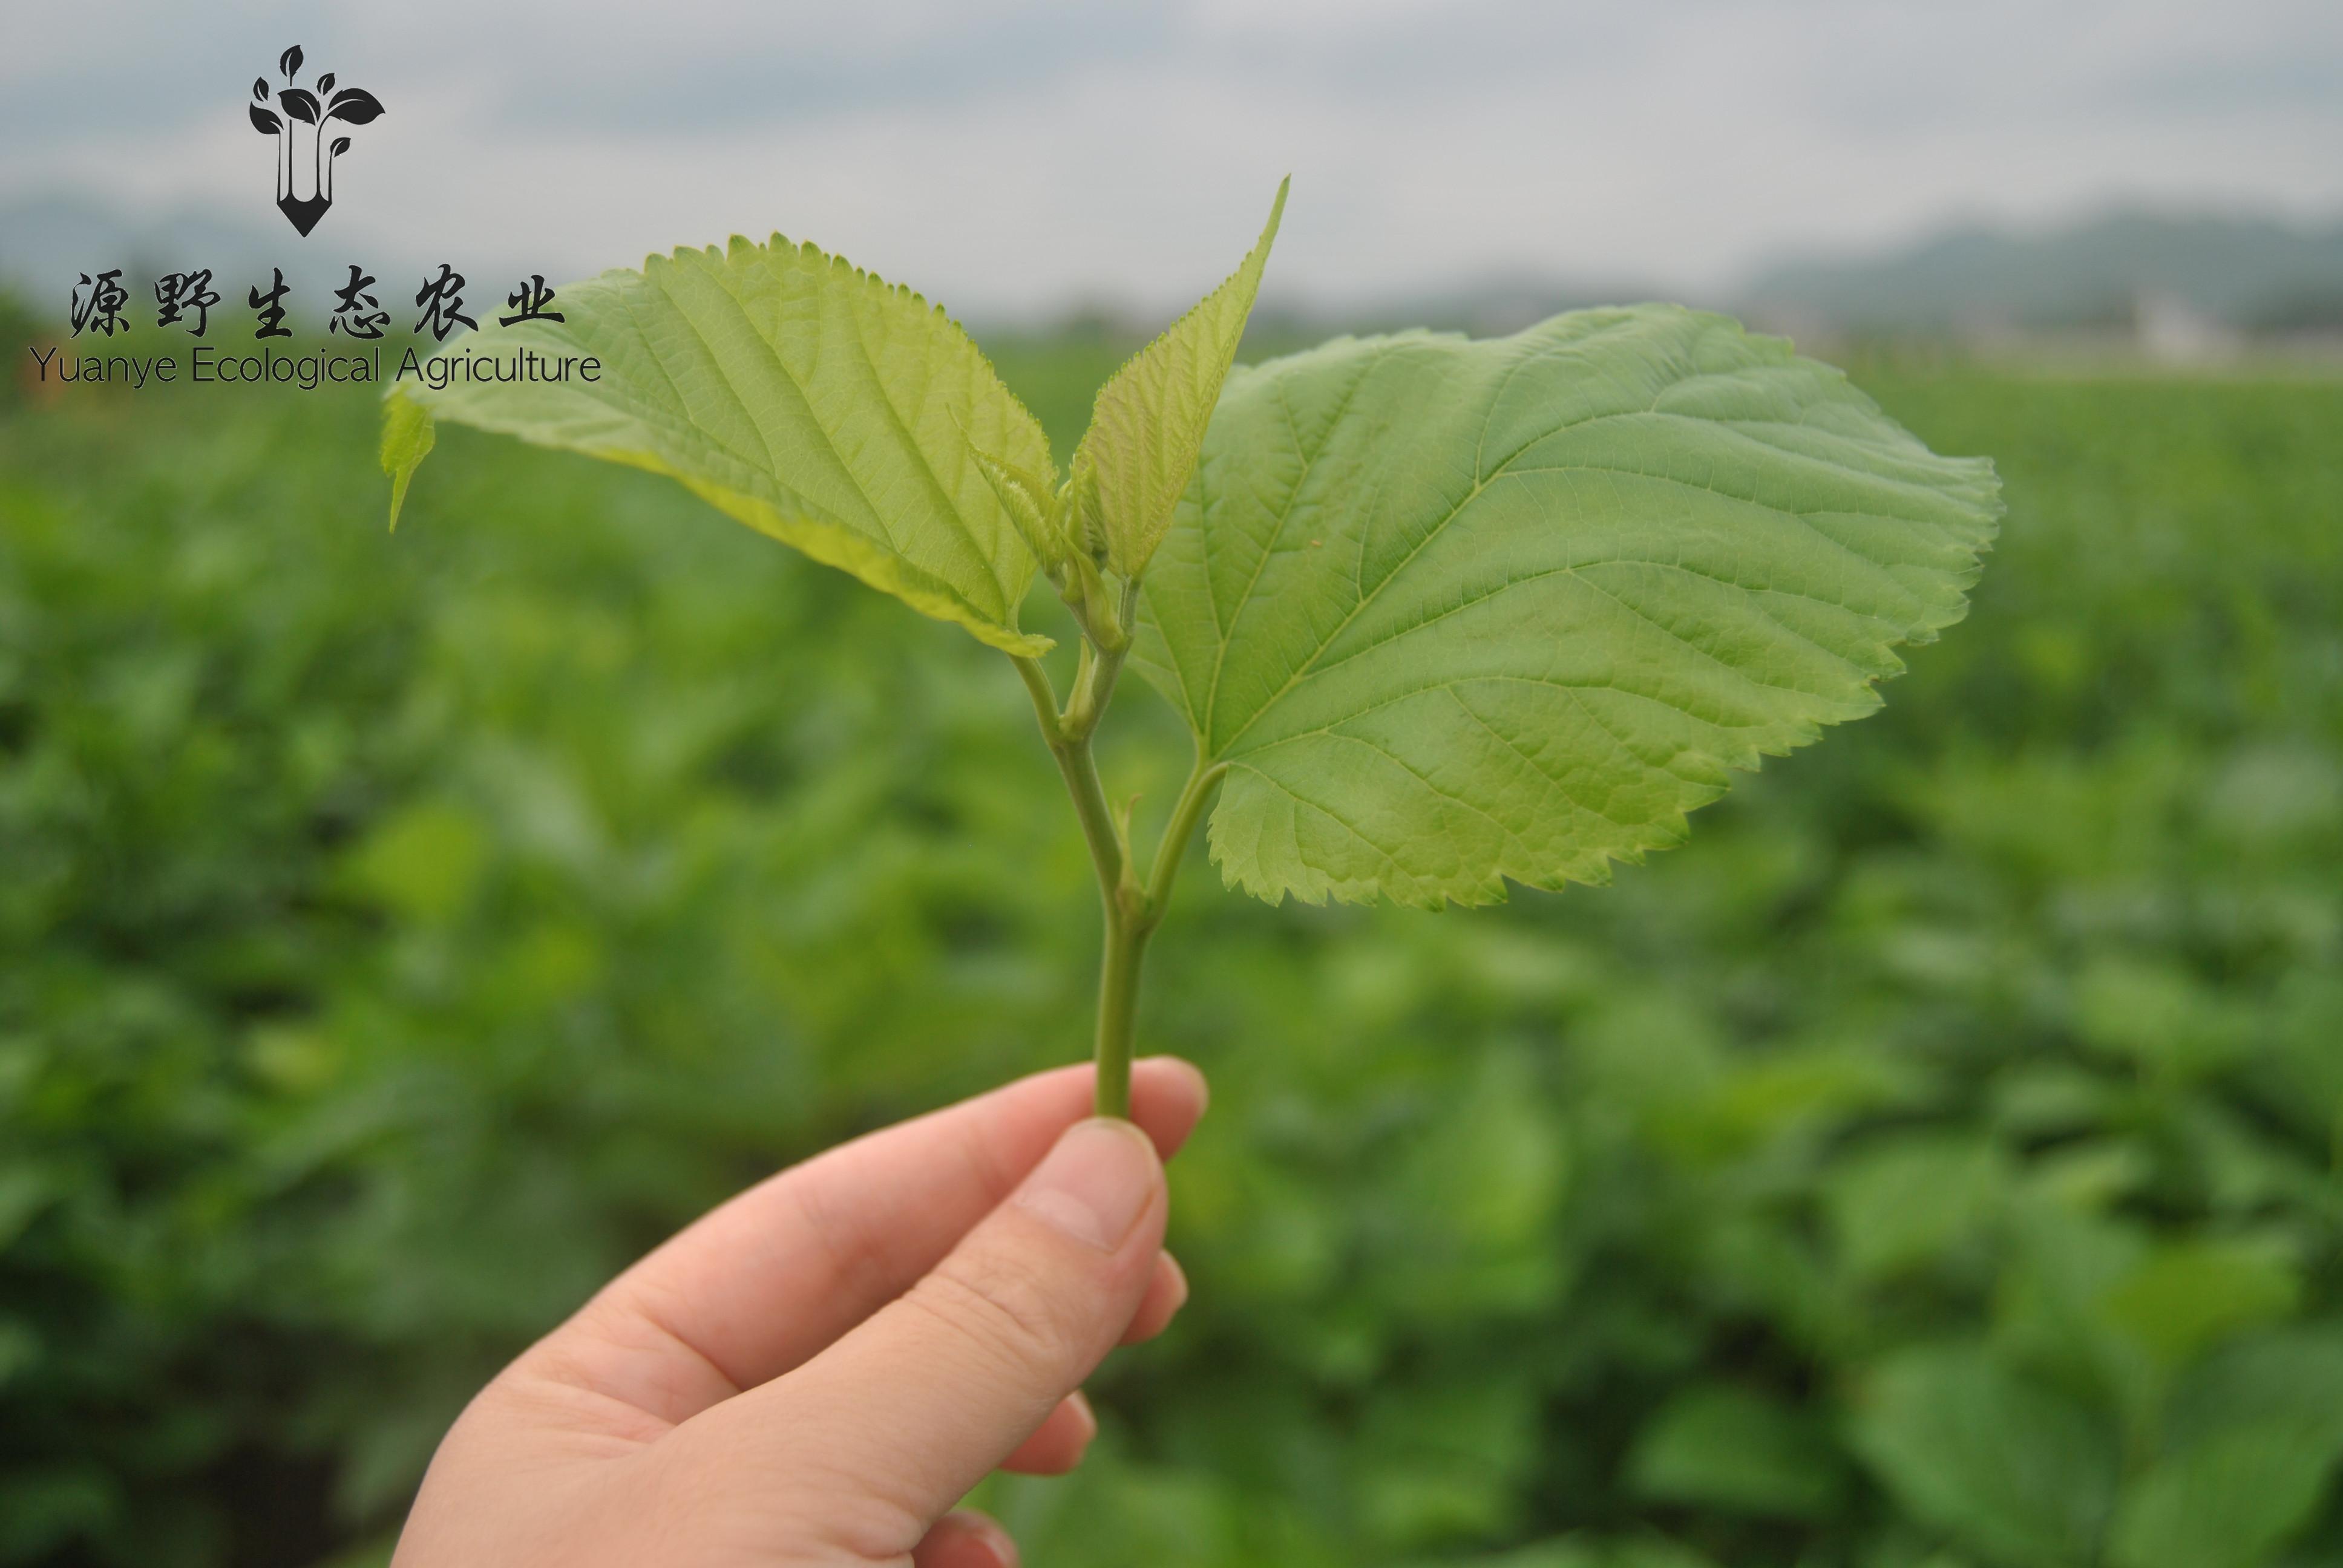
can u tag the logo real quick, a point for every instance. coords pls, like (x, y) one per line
(307, 140)
(347, 340)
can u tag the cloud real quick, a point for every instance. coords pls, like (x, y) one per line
(1012, 155)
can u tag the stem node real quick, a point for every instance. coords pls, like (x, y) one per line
(1131, 908)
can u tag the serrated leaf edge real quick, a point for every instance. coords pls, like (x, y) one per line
(1086, 459)
(1244, 870)
(828, 543)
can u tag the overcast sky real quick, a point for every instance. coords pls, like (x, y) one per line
(1019, 154)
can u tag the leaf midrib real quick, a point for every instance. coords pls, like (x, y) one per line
(1268, 547)
(867, 370)
(1577, 569)
(1742, 430)
(1490, 677)
(1368, 598)
(685, 431)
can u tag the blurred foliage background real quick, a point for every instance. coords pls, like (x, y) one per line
(1934, 1163)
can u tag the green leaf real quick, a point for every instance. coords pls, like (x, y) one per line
(1912, 1200)
(800, 395)
(2255, 1435)
(1147, 428)
(2292, 1375)
(1458, 611)
(1727, 1447)
(1026, 497)
(2004, 1466)
(2226, 1501)
(2187, 1295)
(406, 437)
(1445, 1460)
(1587, 1552)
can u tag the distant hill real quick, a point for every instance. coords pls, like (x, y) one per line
(47, 241)
(1487, 306)
(2249, 274)
(2181, 285)
(2135, 273)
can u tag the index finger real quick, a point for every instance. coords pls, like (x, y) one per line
(771, 1278)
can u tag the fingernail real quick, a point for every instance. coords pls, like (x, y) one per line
(1095, 1182)
(1081, 1403)
(1179, 1282)
(1196, 1074)
(988, 1533)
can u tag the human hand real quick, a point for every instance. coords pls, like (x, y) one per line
(819, 1369)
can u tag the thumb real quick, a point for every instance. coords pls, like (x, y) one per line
(891, 1426)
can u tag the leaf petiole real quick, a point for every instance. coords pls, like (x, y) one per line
(1129, 910)
(1185, 815)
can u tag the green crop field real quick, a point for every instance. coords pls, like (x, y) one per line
(1935, 1162)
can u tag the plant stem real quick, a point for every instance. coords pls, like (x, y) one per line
(1130, 911)
(1176, 832)
(1079, 770)
(1118, 1009)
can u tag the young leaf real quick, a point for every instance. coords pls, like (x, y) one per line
(407, 436)
(355, 106)
(2253, 1437)
(2292, 1375)
(2184, 1296)
(326, 86)
(264, 121)
(1147, 427)
(299, 103)
(260, 89)
(289, 61)
(1731, 1449)
(2226, 1501)
(1458, 611)
(801, 396)
(1908, 1201)
(2004, 1465)
(1025, 495)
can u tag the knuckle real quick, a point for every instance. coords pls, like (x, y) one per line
(805, 1505)
(856, 1252)
(1008, 1307)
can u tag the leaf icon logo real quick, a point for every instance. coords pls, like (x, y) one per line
(306, 154)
